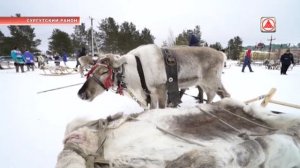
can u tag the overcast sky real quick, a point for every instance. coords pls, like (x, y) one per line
(220, 20)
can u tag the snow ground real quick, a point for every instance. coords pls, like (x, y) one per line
(32, 125)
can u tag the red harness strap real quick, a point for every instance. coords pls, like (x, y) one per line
(120, 89)
(108, 81)
(91, 71)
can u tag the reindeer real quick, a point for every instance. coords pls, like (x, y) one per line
(197, 66)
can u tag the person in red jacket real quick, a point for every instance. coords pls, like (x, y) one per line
(247, 60)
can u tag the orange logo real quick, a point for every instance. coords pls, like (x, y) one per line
(267, 24)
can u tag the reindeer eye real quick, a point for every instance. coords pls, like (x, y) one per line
(103, 73)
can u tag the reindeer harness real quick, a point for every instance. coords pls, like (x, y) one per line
(171, 68)
(172, 78)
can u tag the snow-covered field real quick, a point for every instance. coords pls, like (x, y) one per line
(32, 125)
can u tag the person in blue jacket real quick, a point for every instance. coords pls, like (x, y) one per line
(17, 57)
(193, 40)
(65, 57)
(29, 60)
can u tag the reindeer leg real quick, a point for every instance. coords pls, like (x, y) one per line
(162, 97)
(154, 101)
(210, 96)
(222, 91)
(200, 94)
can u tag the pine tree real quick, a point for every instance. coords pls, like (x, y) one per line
(216, 46)
(146, 37)
(2, 37)
(60, 41)
(109, 30)
(235, 48)
(23, 37)
(122, 38)
(198, 33)
(183, 38)
(79, 37)
(128, 37)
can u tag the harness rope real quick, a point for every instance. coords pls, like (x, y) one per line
(263, 126)
(44, 91)
(170, 133)
(241, 134)
(108, 82)
(222, 121)
(98, 157)
(145, 106)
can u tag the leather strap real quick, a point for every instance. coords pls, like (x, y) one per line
(142, 79)
(172, 78)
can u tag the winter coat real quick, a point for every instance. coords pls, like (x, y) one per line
(28, 57)
(287, 59)
(65, 57)
(56, 59)
(193, 41)
(248, 53)
(82, 53)
(13, 54)
(247, 59)
(17, 56)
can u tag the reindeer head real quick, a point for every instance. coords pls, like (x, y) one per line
(100, 77)
(112, 60)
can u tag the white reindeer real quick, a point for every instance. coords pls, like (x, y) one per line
(197, 66)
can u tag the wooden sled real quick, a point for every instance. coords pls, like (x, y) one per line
(57, 70)
(267, 98)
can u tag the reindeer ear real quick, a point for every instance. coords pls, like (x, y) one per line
(113, 60)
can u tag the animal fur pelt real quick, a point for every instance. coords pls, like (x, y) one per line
(192, 137)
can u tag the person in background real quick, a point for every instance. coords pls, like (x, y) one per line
(41, 61)
(193, 40)
(286, 59)
(65, 57)
(56, 59)
(16, 55)
(247, 60)
(29, 61)
(80, 54)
